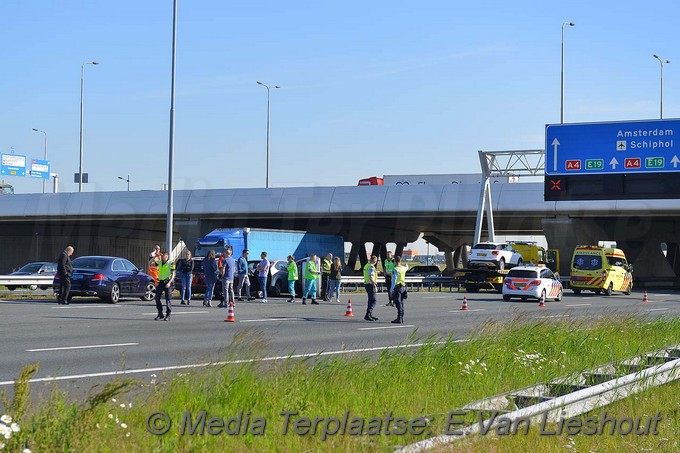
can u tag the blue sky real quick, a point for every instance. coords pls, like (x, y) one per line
(368, 88)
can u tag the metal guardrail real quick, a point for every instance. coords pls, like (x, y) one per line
(26, 280)
(411, 282)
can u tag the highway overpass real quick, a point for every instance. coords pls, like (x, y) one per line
(39, 226)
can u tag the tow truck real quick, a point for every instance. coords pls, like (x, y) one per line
(474, 280)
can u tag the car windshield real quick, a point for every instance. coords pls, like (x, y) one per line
(87, 262)
(522, 273)
(485, 247)
(31, 267)
(587, 262)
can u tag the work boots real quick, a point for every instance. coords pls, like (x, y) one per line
(399, 320)
(369, 316)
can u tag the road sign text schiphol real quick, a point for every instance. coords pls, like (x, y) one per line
(612, 147)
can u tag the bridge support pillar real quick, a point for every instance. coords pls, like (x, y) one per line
(399, 250)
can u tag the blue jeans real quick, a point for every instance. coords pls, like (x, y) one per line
(333, 288)
(291, 288)
(310, 288)
(186, 280)
(209, 288)
(263, 286)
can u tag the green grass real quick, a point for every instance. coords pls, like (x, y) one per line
(412, 382)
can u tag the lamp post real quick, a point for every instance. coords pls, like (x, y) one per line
(45, 133)
(126, 180)
(571, 24)
(662, 62)
(82, 95)
(268, 88)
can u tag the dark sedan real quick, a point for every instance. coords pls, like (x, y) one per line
(424, 271)
(38, 268)
(108, 277)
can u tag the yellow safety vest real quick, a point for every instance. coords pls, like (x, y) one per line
(367, 276)
(326, 266)
(165, 270)
(401, 274)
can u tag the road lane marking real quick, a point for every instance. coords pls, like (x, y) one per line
(657, 309)
(207, 364)
(469, 309)
(272, 319)
(385, 327)
(552, 316)
(578, 305)
(175, 313)
(66, 348)
(439, 297)
(68, 307)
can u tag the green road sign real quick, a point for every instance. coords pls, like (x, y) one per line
(654, 162)
(594, 164)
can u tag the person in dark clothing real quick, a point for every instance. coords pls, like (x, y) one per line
(186, 276)
(64, 270)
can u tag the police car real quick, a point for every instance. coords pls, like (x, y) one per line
(532, 281)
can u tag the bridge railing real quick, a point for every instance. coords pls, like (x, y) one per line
(413, 283)
(26, 280)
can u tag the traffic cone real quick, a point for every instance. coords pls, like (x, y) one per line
(465, 306)
(645, 299)
(541, 302)
(348, 312)
(230, 313)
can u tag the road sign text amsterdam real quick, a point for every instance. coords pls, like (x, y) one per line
(616, 147)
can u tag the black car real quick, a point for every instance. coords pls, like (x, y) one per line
(424, 271)
(37, 268)
(108, 277)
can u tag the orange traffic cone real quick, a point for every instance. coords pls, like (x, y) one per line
(465, 306)
(541, 302)
(348, 312)
(645, 299)
(230, 313)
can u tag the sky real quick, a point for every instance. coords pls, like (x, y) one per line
(367, 88)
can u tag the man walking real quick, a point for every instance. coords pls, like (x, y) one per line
(166, 277)
(398, 288)
(228, 270)
(262, 272)
(64, 270)
(371, 286)
(325, 276)
(311, 274)
(242, 273)
(389, 267)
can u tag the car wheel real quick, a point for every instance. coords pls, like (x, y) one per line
(150, 293)
(506, 298)
(610, 289)
(472, 289)
(114, 297)
(501, 264)
(11, 288)
(559, 296)
(275, 290)
(628, 289)
(44, 288)
(576, 290)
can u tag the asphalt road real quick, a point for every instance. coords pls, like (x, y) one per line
(88, 340)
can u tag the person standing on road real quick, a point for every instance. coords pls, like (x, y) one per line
(326, 264)
(389, 267)
(262, 271)
(242, 272)
(186, 277)
(371, 286)
(398, 288)
(311, 274)
(166, 277)
(154, 257)
(228, 270)
(335, 279)
(64, 270)
(292, 277)
(210, 277)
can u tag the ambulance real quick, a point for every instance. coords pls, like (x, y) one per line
(601, 270)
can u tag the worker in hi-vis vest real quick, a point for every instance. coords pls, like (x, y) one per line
(371, 285)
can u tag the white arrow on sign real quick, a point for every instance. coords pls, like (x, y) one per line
(555, 143)
(613, 163)
(675, 161)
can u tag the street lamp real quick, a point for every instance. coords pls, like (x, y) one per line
(662, 62)
(82, 94)
(126, 180)
(268, 88)
(45, 133)
(571, 24)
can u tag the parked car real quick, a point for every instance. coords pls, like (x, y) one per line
(532, 281)
(108, 277)
(424, 271)
(37, 268)
(493, 254)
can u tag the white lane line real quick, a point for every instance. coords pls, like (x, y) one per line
(469, 309)
(551, 316)
(578, 305)
(385, 327)
(657, 309)
(207, 364)
(438, 297)
(78, 307)
(175, 313)
(66, 348)
(272, 319)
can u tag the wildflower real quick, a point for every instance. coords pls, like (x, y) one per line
(127, 435)
(130, 405)
(97, 425)
(114, 400)
(123, 425)
(6, 419)
(2, 445)
(26, 450)
(122, 405)
(117, 421)
(111, 416)
(15, 427)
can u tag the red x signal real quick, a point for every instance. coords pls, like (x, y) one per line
(555, 184)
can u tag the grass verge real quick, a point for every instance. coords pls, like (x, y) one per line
(421, 385)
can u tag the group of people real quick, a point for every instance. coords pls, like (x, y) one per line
(226, 269)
